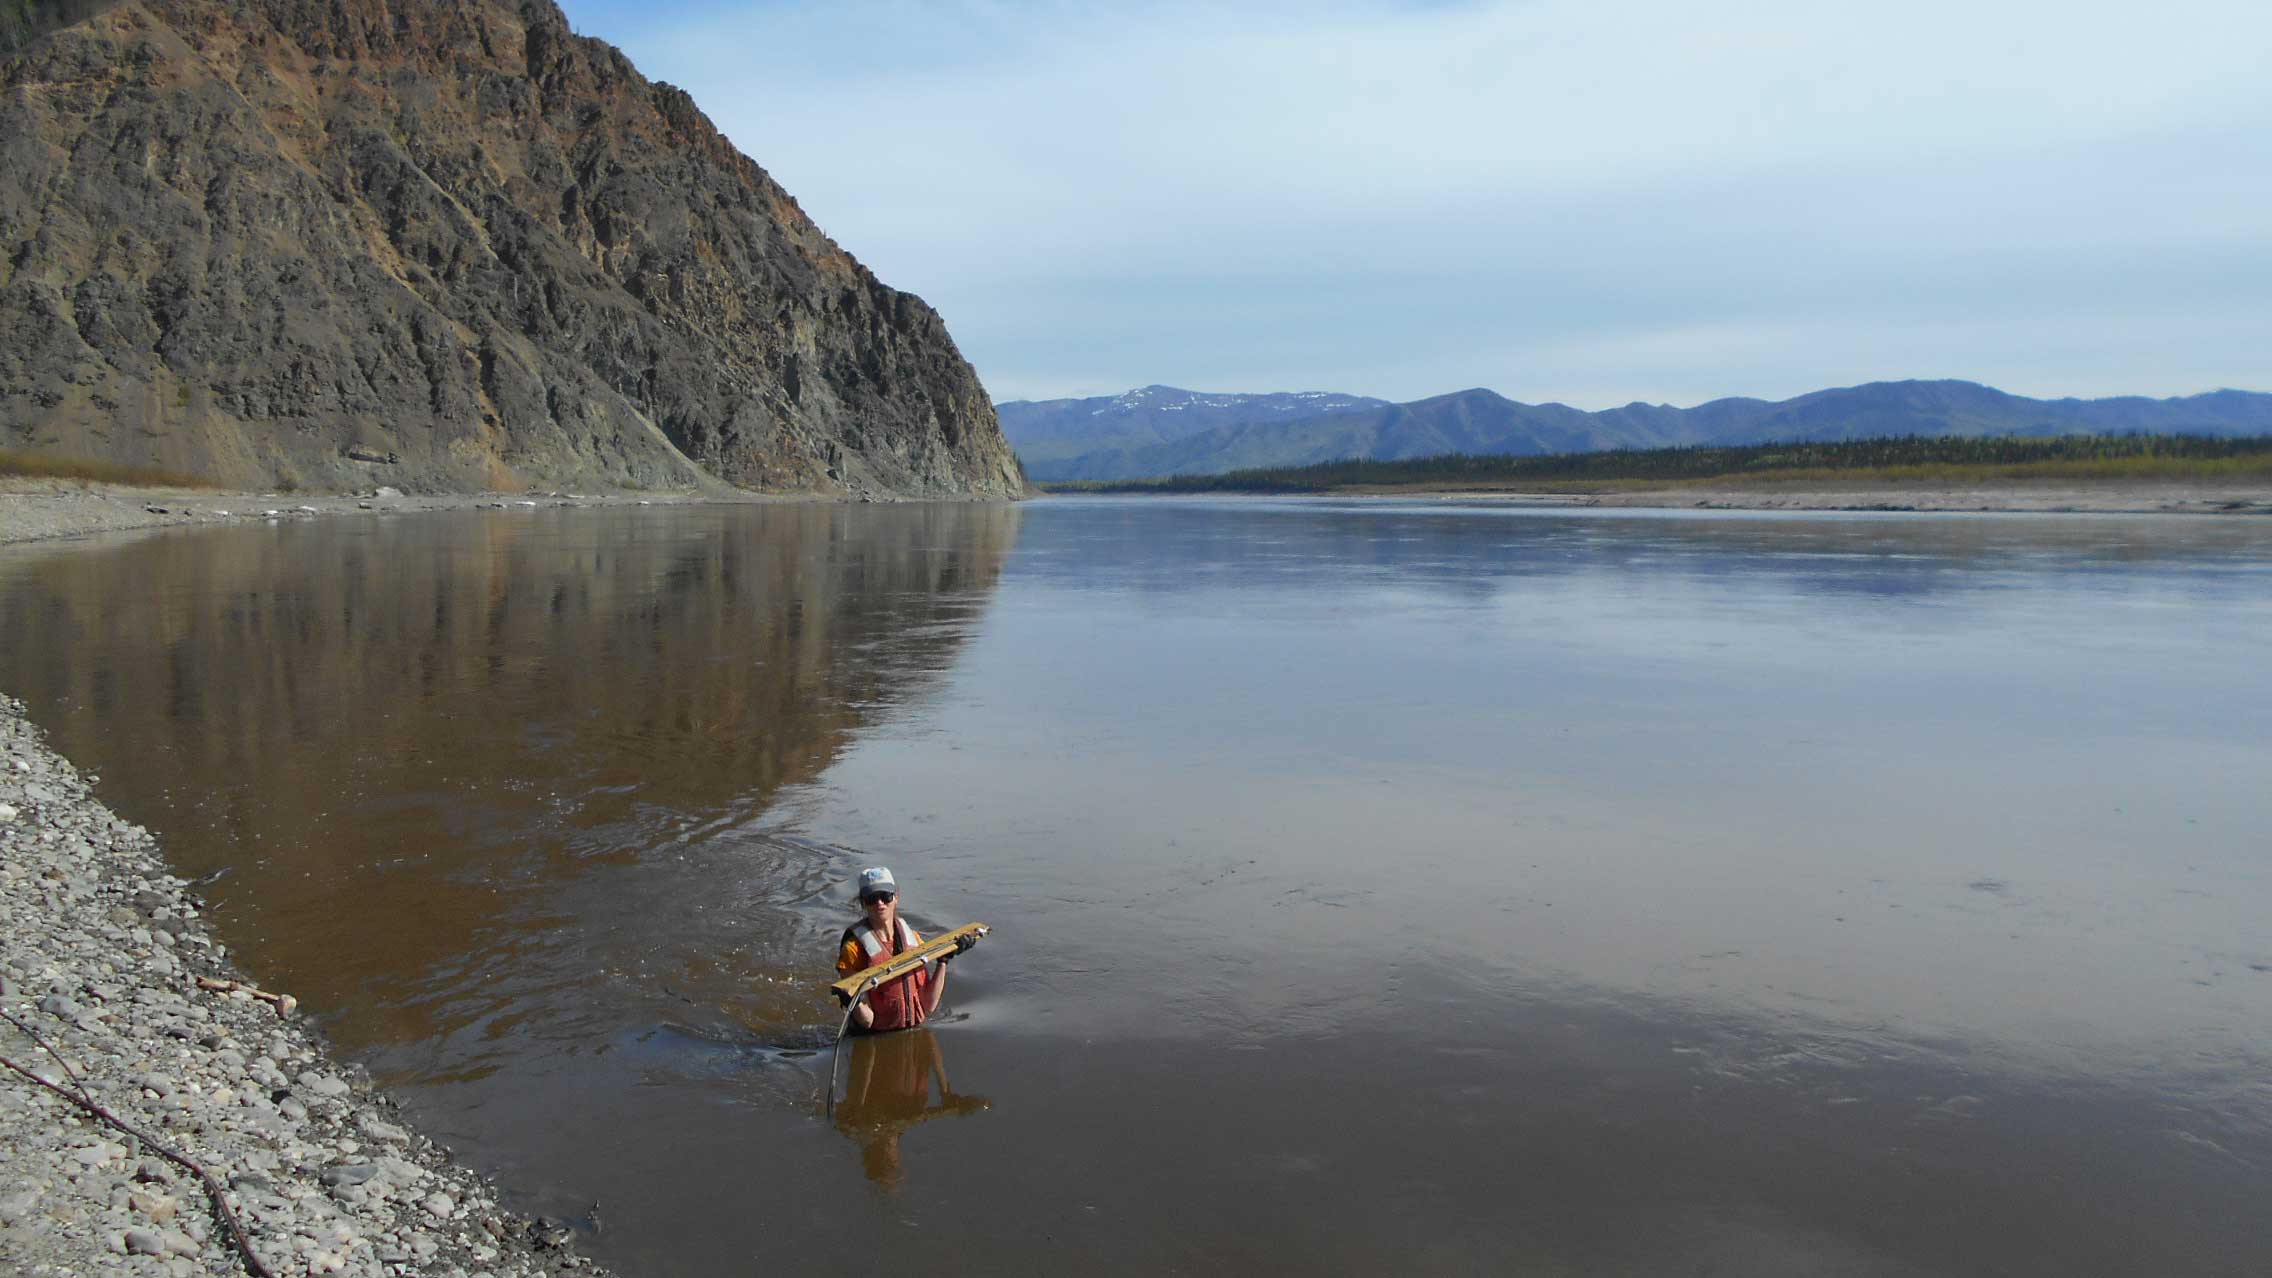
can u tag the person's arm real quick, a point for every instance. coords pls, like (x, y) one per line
(935, 987)
(935, 982)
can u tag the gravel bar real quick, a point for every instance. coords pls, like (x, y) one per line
(50, 510)
(103, 953)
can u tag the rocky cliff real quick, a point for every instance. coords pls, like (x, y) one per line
(441, 244)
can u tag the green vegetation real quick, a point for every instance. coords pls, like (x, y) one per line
(16, 465)
(1942, 459)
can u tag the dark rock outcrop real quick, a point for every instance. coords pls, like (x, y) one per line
(441, 244)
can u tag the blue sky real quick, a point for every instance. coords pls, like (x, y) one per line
(1587, 202)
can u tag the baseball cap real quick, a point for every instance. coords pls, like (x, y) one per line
(876, 879)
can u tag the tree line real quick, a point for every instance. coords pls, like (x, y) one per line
(2082, 456)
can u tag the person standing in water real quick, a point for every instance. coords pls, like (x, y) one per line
(900, 1003)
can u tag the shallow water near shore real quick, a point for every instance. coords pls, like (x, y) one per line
(1377, 885)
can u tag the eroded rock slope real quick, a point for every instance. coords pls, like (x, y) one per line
(440, 244)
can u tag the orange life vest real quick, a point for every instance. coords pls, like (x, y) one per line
(897, 1003)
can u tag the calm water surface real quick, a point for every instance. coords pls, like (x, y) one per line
(1377, 886)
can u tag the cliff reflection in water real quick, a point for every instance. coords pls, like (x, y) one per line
(405, 743)
(888, 1091)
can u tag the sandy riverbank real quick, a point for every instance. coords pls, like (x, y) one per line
(103, 958)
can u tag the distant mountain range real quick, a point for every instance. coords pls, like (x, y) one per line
(1051, 430)
(1160, 430)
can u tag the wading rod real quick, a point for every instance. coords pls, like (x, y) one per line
(829, 1110)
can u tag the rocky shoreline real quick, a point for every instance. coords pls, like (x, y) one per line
(45, 510)
(108, 961)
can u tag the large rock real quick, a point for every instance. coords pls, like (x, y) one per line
(441, 244)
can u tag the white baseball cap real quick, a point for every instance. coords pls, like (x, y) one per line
(877, 879)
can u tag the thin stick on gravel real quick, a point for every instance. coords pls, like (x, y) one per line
(84, 1097)
(213, 1188)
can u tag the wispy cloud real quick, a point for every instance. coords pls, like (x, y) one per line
(1591, 202)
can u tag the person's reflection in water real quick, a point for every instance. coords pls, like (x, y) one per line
(888, 1091)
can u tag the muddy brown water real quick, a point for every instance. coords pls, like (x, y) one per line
(1378, 886)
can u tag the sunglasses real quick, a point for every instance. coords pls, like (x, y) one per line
(881, 898)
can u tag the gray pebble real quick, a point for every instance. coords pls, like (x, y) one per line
(349, 1174)
(145, 1242)
(385, 1133)
(323, 1084)
(16, 1206)
(402, 1171)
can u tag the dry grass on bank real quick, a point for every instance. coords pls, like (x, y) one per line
(21, 465)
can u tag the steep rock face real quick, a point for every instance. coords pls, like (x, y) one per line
(440, 244)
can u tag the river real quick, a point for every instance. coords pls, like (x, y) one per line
(1376, 885)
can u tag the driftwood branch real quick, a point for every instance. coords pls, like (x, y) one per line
(283, 1003)
(213, 1190)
